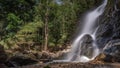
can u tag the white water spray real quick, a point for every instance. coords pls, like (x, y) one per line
(88, 29)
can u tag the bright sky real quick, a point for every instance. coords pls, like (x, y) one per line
(58, 2)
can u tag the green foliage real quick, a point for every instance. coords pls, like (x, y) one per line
(21, 8)
(31, 27)
(14, 23)
(24, 20)
(29, 32)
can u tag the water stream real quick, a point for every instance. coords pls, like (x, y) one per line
(84, 53)
(77, 53)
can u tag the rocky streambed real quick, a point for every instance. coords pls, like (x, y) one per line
(110, 58)
(72, 65)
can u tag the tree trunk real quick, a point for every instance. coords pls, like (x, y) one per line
(46, 30)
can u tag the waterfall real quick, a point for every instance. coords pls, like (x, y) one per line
(78, 51)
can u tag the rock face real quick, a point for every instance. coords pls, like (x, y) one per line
(109, 28)
(112, 51)
(108, 34)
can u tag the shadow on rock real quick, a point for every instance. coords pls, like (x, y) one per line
(3, 57)
(20, 60)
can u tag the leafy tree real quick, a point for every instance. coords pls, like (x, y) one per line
(14, 23)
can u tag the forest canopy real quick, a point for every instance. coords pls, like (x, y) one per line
(47, 22)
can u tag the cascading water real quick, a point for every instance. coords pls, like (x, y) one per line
(78, 51)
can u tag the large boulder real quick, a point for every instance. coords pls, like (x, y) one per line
(20, 59)
(87, 46)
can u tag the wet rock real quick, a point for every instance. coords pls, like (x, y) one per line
(112, 51)
(87, 46)
(104, 34)
(109, 26)
(99, 59)
(105, 30)
(87, 39)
